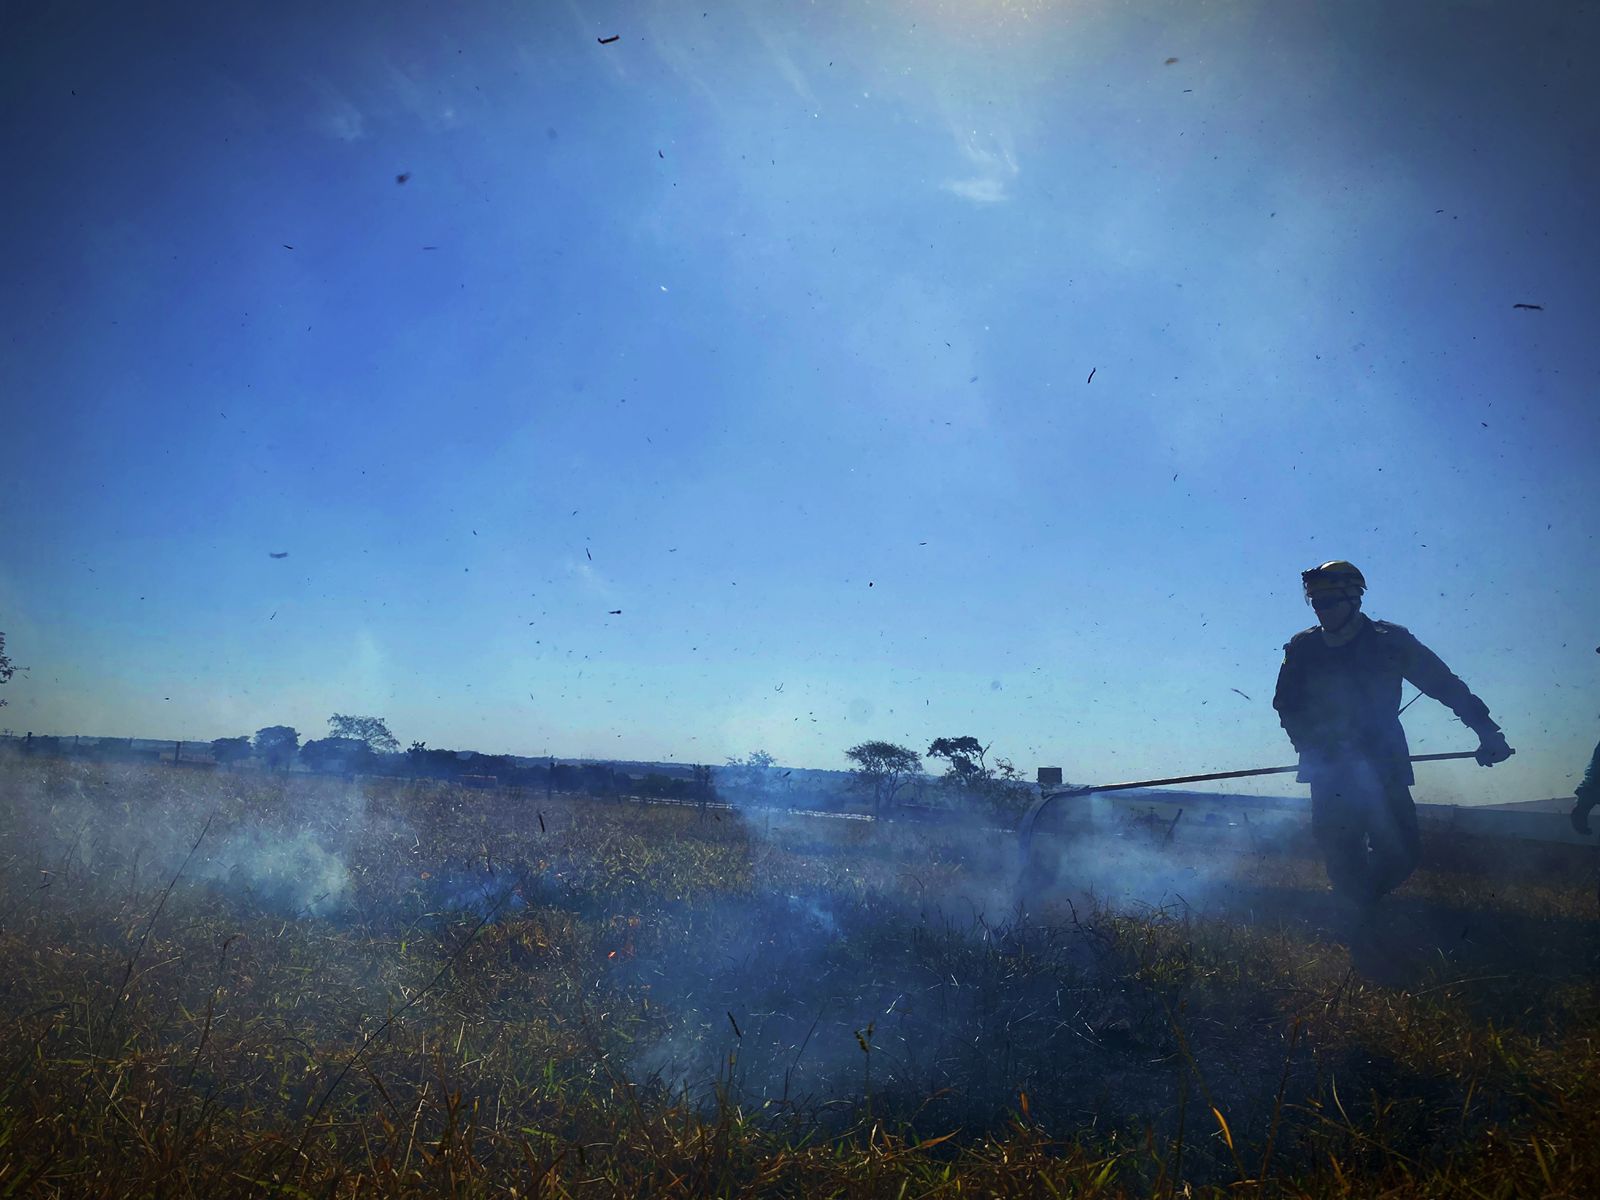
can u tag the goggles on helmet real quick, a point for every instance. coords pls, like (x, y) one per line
(1332, 582)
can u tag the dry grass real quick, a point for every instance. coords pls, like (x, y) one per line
(412, 990)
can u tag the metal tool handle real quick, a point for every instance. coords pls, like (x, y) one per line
(1144, 783)
(1043, 802)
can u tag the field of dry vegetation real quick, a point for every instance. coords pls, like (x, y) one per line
(244, 985)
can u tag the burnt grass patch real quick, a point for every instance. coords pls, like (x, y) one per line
(248, 984)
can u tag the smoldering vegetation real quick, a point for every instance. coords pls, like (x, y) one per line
(235, 984)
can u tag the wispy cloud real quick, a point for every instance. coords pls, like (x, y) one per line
(378, 93)
(590, 579)
(338, 118)
(434, 107)
(993, 166)
(784, 63)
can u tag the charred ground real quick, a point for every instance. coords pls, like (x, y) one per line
(365, 988)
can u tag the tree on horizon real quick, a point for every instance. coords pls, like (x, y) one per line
(374, 731)
(229, 750)
(277, 745)
(342, 754)
(883, 768)
(7, 667)
(1000, 785)
(965, 756)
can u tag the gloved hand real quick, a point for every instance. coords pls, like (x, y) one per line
(1580, 816)
(1492, 749)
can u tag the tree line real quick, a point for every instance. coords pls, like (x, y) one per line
(365, 746)
(884, 771)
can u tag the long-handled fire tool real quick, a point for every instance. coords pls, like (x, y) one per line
(1052, 794)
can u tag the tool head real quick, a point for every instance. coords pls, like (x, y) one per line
(1047, 798)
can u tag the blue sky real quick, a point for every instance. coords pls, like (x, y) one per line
(772, 327)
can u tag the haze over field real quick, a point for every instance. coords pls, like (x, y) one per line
(791, 376)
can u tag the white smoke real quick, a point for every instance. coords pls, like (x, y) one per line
(288, 872)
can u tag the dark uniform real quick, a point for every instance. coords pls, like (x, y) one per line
(1340, 706)
(1588, 793)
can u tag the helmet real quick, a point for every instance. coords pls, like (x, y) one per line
(1336, 578)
